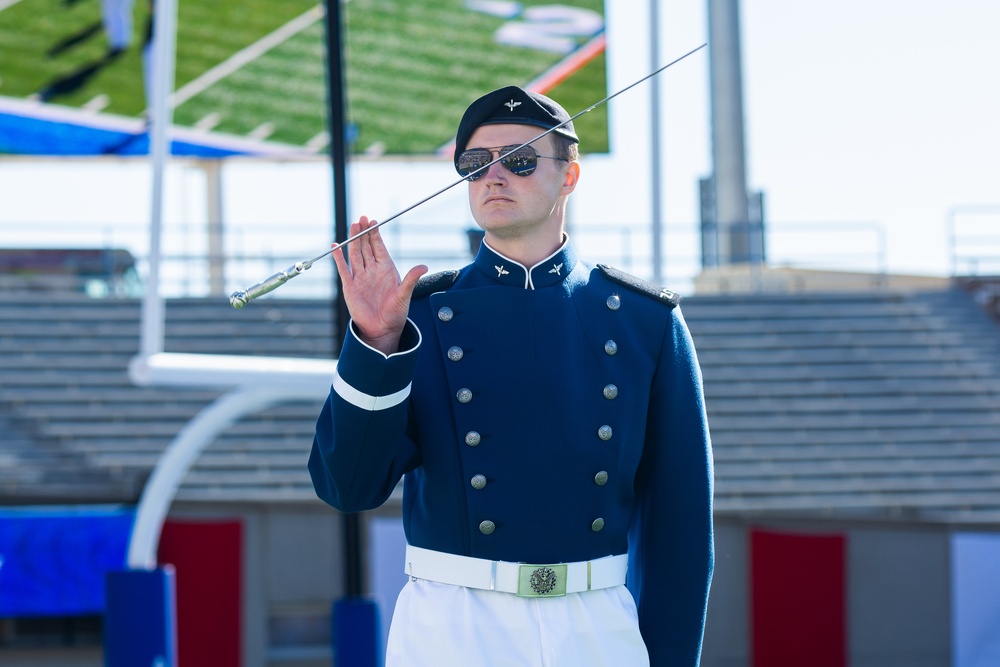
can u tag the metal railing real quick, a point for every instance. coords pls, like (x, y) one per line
(253, 252)
(974, 240)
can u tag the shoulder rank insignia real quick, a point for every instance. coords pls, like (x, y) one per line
(434, 282)
(640, 285)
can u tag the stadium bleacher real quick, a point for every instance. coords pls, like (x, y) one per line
(880, 404)
(867, 404)
(64, 389)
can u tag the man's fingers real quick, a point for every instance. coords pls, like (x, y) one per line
(342, 267)
(354, 248)
(362, 249)
(379, 251)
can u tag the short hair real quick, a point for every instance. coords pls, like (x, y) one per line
(565, 148)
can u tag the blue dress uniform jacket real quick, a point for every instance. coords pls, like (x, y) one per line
(543, 415)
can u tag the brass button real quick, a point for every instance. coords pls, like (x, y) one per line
(472, 438)
(445, 314)
(479, 482)
(604, 433)
(464, 395)
(487, 527)
(610, 392)
(455, 353)
(614, 302)
(597, 525)
(601, 478)
(611, 347)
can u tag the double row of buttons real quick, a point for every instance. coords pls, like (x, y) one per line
(473, 438)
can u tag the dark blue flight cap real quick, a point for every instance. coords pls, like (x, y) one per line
(512, 105)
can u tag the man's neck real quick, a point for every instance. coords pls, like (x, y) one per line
(527, 252)
(530, 249)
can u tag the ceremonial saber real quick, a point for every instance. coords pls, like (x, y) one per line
(243, 297)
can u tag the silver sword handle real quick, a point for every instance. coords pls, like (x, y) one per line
(243, 297)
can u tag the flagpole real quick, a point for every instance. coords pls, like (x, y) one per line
(656, 200)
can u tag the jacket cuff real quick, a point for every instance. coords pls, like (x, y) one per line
(370, 380)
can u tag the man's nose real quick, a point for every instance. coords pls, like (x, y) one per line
(497, 173)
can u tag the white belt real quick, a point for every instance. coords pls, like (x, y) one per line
(522, 579)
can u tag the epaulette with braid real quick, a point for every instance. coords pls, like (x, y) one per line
(435, 282)
(642, 286)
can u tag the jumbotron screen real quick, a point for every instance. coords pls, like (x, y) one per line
(250, 75)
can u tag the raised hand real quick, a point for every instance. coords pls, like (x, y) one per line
(376, 298)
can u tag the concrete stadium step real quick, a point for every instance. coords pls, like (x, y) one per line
(62, 412)
(856, 420)
(767, 442)
(901, 403)
(846, 388)
(910, 372)
(926, 468)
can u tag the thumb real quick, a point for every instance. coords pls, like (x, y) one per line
(409, 281)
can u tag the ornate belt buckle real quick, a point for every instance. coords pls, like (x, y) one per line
(541, 581)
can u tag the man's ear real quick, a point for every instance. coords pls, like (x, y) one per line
(572, 178)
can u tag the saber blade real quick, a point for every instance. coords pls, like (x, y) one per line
(243, 297)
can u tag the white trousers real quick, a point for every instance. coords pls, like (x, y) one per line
(440, 625)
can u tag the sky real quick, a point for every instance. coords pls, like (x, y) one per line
(858, 114)
(871, 128)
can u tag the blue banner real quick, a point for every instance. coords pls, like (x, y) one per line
(53, 562)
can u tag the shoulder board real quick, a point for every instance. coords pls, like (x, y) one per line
(434, 282)
(640, 285)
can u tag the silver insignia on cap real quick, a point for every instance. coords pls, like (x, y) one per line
(510, 105)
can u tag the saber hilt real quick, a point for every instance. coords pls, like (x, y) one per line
(243, 297)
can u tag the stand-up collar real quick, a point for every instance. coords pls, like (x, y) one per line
(550, 271)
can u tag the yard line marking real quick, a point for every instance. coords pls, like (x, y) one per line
(98, 103)
(4, 4)
(247, 55)
(319, 142)
(262, 131)
(209, 121)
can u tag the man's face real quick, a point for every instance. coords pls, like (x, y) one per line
(507, 206)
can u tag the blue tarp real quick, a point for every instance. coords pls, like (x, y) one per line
(27, 135)
(53, 562)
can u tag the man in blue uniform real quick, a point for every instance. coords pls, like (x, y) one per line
(547, 418)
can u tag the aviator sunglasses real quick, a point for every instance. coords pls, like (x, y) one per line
(518, 160)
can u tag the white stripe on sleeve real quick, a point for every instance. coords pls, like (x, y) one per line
(367, 401)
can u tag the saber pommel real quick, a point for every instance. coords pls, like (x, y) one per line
(243, 297)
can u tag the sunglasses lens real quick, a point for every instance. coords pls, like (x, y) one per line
(521, 162)
(471, 160)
